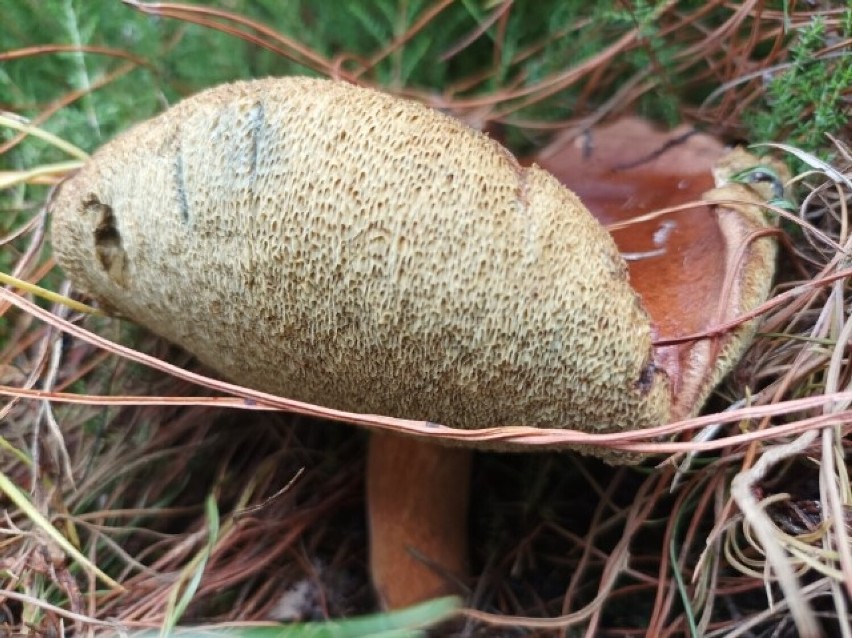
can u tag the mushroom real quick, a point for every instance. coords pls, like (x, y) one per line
(343, 247)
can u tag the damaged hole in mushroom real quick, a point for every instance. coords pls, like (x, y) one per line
(108, 245)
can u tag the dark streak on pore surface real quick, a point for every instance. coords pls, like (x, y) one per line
(180, 185)
(646, 378)
(658, 152)
(256, 117)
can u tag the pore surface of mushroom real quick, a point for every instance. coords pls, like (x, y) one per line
(343, 247)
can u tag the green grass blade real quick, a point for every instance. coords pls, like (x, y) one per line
(177, 605)
(23, 503)
(405, 623)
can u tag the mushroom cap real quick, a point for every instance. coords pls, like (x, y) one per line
(695, 268)
(340, 246)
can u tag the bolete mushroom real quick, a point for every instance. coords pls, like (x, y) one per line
(347, 248)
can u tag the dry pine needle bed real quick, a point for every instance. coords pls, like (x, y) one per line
(351, 257)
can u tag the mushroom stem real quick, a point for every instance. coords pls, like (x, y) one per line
(417, 502)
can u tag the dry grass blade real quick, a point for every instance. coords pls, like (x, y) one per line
(48, 295)
(23, 503)
(64, 102)
(48, 49)
(222, 20)
(742, 491)
(17, 123)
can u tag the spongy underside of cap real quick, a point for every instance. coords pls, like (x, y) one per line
(339, 246)
(695, 267)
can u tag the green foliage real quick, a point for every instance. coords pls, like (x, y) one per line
(183, 58)
(808, 97)
(404, 623)
(180, 59)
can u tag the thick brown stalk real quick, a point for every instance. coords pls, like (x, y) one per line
(417, 499)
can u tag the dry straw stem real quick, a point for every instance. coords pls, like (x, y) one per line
(244, 28)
